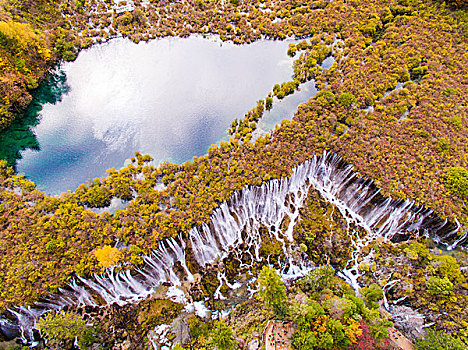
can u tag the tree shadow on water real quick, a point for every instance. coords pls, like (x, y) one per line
(20, 135)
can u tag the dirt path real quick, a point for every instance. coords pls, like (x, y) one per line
(277, 336)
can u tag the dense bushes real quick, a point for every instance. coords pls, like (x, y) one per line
(456, 181)
(24, 57)
(346, 99)
(333, 317)
(222, 337)
(285, 89)
(439, 340)
(61, 330)
(439, 286)
(460, 3)
(65, 44)
(430, 280)
(396, 143)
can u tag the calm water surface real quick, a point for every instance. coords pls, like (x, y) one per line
(170, 98)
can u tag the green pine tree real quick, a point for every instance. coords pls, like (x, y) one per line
(271, 290)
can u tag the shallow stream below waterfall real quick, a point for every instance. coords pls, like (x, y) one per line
(171, 98)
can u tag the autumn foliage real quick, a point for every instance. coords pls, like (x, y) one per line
(107, 256)
(393, 105)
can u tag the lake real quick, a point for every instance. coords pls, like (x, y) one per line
(171, 98)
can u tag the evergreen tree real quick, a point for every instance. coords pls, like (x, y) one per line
(222, 337)
(271, 290)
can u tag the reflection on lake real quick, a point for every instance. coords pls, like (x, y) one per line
(170, 98)
(19, 136)
(284, 109)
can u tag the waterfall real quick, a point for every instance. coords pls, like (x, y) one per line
(238, 221)
(120, 287)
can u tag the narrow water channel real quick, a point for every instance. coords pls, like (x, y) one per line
(171, 98)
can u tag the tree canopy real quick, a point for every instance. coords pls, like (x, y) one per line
(271, 289)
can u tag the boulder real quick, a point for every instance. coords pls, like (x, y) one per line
(180, 329)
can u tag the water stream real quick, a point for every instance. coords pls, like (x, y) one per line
(236, 223)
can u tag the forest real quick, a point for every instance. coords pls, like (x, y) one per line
(393, 105)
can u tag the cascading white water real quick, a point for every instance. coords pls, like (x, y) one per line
(111, 287)
(267, 205)
(238, 222)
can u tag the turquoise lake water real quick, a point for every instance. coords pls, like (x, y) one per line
(171, 98)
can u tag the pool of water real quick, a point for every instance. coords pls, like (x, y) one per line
(284, 109)
(171, 98)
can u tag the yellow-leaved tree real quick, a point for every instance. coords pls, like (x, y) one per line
(21, 37)
(108, 256)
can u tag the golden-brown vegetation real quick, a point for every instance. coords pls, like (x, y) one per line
(407, 59)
